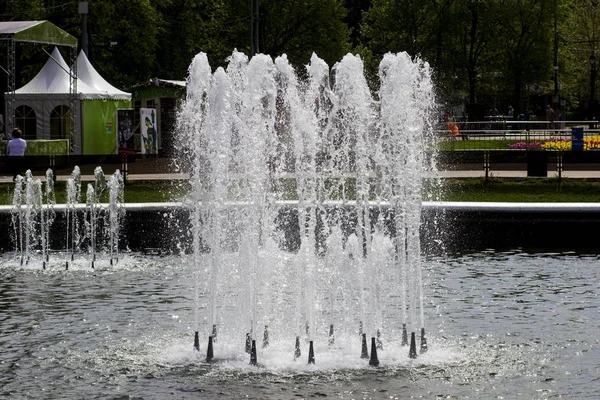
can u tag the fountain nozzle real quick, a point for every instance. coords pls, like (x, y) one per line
(374, 361)
(253, 359)
(412, 353)
(311, 353)
(209, 350)
(365, 351)
(196, 341)
(404, 336)
(248, 343)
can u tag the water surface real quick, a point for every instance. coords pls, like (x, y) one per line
(500, 325)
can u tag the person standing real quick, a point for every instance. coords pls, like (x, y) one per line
(16, 152)
(550, 115)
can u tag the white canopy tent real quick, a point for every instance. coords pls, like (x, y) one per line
(23, 32)
(47, 99)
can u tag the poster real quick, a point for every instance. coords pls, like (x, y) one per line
(125, 130)
(148, 131)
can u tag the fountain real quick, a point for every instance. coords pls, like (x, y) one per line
(303, 259)
(34, 212)
(332, 162)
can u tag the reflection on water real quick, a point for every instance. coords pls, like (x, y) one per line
(503, 325)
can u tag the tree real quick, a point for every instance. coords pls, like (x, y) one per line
(476, 46)
(192, 26)
(579, 27)
(526, 53)
(123, 40)
(356, 9)
(300, 27)
(422, 28)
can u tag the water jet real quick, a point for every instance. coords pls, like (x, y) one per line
(338, 165)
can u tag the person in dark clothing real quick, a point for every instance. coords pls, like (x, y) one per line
(16, 148)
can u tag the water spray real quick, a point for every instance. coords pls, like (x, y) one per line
(331, 335)
(266, 338)
(297, 352)
(339, 146)
(379, 342)
(214, 333)
(423, 341)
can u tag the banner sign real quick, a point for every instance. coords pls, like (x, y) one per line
(148, 131)
(125, 130)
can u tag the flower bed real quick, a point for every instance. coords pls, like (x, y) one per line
(589, 143)
(526, 146)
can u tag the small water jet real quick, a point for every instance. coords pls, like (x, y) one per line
(34, 213)
(30, 219)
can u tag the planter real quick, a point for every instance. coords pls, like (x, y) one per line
(537, 164)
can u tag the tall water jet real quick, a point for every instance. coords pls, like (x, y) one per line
(33, 224)
(324, 168)
(406, 96)
(49, 213)
(73, 199)
(93, 198)
(91, 221)
(17, 215)
(116, 211)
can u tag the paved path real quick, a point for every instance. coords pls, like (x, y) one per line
(517, 174)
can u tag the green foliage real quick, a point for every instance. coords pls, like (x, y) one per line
(123, 38)
(479, 50)
(579, 27)
(300, 27)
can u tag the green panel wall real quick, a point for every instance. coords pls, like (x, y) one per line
(99, 125)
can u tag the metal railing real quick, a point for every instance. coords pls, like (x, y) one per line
(499, 134)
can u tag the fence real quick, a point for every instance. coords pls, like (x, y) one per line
(538, 146)
(510, 135)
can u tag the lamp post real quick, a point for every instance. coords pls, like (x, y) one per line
(254, 27)
(593, 71)
(83, 10)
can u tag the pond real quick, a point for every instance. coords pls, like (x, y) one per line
(500, 325)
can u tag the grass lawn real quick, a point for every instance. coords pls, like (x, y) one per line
(523, 190)
(495, 189)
